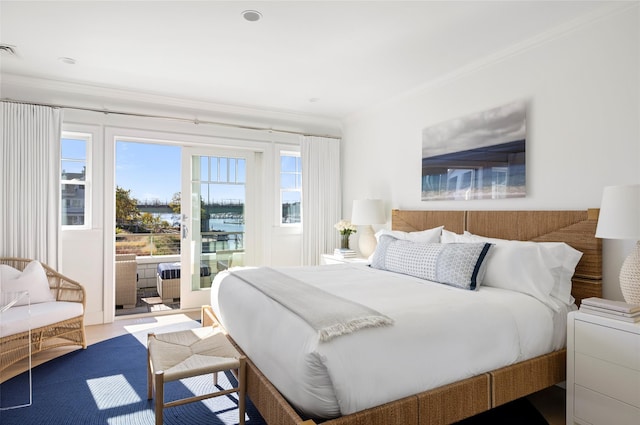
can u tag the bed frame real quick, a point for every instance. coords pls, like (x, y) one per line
(471, 396)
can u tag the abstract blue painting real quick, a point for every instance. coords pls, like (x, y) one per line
(479, 156)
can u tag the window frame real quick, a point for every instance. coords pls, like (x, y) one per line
(87, 137)
(281, 190)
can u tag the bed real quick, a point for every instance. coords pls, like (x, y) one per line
(397, 388)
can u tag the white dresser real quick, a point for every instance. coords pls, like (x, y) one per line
(603, 371)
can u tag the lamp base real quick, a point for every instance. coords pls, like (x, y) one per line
(630, 276)
(367, 241)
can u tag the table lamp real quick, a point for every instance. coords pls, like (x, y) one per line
(365, 213)
(620, 219)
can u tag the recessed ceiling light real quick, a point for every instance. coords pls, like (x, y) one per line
(252, 15)
(68, 61)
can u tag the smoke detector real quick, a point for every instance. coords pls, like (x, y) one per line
(252, 15)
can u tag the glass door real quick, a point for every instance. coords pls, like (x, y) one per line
(213, 227)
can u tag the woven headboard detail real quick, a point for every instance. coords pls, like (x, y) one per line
(576, 228)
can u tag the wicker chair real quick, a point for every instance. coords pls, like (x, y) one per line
(126, 278)
(14, 348)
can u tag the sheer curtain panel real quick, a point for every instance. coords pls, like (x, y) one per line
(321, 197)
(29, 186)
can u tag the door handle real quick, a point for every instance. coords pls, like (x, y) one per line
(185, 226)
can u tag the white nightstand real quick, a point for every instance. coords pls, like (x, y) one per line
(332, 259)
(603, 370)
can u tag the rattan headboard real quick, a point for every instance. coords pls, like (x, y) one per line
(576, 228)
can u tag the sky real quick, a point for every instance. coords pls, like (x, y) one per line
(150, 171)
(495, 126)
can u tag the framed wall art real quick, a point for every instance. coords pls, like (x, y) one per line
(479, 156)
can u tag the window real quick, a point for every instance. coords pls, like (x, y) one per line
(74, 178)
(290, 188)
(222, 170)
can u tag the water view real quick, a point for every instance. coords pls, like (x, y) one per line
(230, 223)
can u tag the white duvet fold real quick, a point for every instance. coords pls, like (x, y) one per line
(331, 316)
(440, 335)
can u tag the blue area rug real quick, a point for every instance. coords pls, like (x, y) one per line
(106, 384)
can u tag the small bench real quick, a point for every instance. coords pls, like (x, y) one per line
(184, 354)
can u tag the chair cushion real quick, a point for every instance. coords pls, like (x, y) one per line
(17, 319)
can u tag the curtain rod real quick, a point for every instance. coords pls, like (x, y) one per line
(168, 118)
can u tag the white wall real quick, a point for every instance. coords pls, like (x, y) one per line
(582, 86)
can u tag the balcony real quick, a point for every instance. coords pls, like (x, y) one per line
(151, 249)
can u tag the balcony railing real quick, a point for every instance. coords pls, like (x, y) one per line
(153, 244)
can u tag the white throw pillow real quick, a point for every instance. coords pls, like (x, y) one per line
(33, 279)
(8, 272)
(423, 236)
(540, 269)
(451, 237)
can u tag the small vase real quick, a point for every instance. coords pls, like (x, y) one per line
(344, 241)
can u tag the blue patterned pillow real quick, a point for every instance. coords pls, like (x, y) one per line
(461, 265)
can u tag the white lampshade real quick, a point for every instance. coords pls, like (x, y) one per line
(620, 213)
(365, 213)
(620, 219)
(368, 211)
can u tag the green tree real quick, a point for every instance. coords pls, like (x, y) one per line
(153, 223)
(126, 207)
(150, 221)
(174, 204)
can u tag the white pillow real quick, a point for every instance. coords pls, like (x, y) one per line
(450, 237)
(540, 269)
(424, 236)
(33, 279)
(8, 272)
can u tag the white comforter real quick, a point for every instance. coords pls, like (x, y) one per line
(441, 335)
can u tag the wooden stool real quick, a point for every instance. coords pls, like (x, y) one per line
(184, 354)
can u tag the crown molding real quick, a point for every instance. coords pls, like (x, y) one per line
(555, 33)
(92, 96)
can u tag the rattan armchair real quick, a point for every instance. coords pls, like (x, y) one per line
(15, 347)
(126, 279)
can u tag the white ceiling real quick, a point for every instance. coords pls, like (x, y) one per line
(322, 58)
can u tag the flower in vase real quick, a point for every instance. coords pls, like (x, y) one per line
(345, 227)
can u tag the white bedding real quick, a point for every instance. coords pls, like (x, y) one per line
(441, 335)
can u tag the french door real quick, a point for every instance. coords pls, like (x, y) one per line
(214, 225)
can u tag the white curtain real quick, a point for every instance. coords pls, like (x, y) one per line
(29, 185)
(321, 197)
